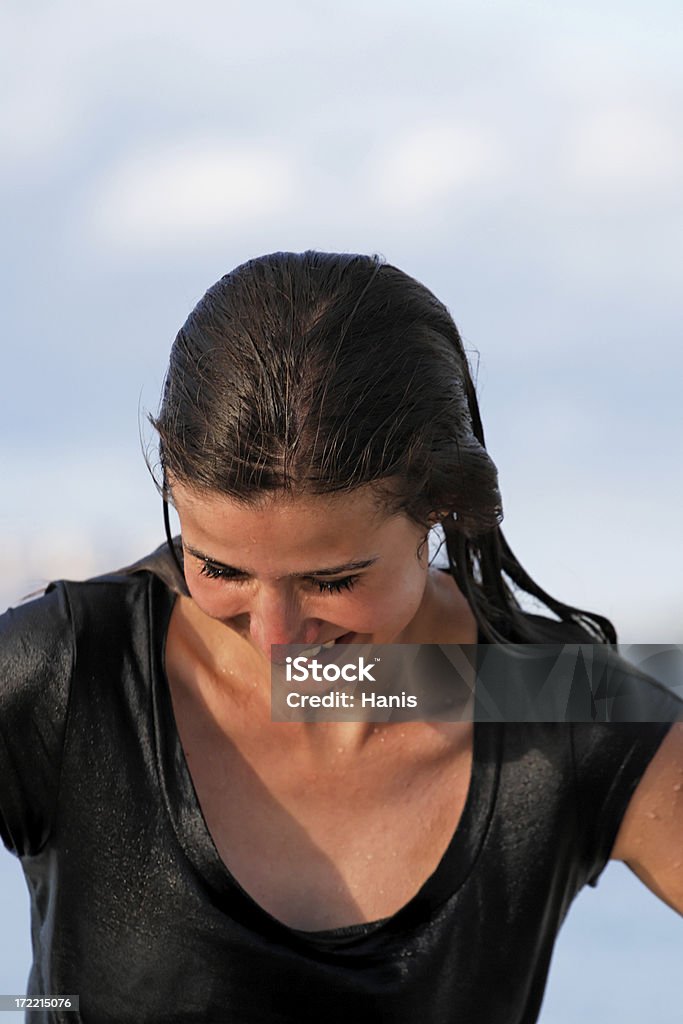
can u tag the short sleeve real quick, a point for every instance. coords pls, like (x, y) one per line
(36, 662)
(609, 761)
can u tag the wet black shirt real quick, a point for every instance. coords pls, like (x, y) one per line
(133, 909)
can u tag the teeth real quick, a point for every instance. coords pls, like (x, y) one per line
(308, 652)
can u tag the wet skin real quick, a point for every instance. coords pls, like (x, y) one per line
(359, 813)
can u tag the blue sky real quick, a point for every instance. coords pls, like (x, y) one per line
(522, 159)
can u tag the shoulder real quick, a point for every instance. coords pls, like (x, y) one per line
(597, 684)
(556, 631)
(74, 635)
(37, 655)
(40, 640)
(36, 641)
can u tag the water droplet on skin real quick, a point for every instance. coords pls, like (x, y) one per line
(678, 787)
(340, 750)
(651, 814)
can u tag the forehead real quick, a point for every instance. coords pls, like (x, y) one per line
(285, 533)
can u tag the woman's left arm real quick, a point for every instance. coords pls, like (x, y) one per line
(650, 837)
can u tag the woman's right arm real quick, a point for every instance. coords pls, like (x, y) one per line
(36, 663)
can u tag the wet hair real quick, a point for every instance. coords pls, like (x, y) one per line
(315, 373)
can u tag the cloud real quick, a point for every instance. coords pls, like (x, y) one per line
(34, 124)
(433, 162)
(189, 193)
(624, 150)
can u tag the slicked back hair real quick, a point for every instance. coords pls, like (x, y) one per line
(315, 373)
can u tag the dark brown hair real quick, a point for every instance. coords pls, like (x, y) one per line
(319, 372)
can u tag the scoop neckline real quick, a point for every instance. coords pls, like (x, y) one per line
(193, 834)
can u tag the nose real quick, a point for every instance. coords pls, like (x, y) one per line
(276, 617)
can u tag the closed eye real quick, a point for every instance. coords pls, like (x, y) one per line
(217, 572)
(335, 586)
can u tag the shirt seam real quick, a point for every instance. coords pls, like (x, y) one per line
(14, 808)
(578, 803)
(67, 719)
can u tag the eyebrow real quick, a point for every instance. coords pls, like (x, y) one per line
(331, 571)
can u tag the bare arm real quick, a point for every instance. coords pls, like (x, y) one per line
(650, 838)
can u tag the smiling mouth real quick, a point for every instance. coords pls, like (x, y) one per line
(311, 652)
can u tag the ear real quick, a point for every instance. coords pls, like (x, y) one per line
(437, 517)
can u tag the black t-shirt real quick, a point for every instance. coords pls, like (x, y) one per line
(134, 911)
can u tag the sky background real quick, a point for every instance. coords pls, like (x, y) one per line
(524, 160)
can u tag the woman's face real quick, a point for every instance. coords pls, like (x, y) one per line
(304, 570)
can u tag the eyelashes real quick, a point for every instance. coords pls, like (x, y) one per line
(335, 586)
(214, 572)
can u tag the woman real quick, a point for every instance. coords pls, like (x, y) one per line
(190, 859)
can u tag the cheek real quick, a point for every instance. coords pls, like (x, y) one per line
(409, 599)
(215, 599)
(394, 603)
